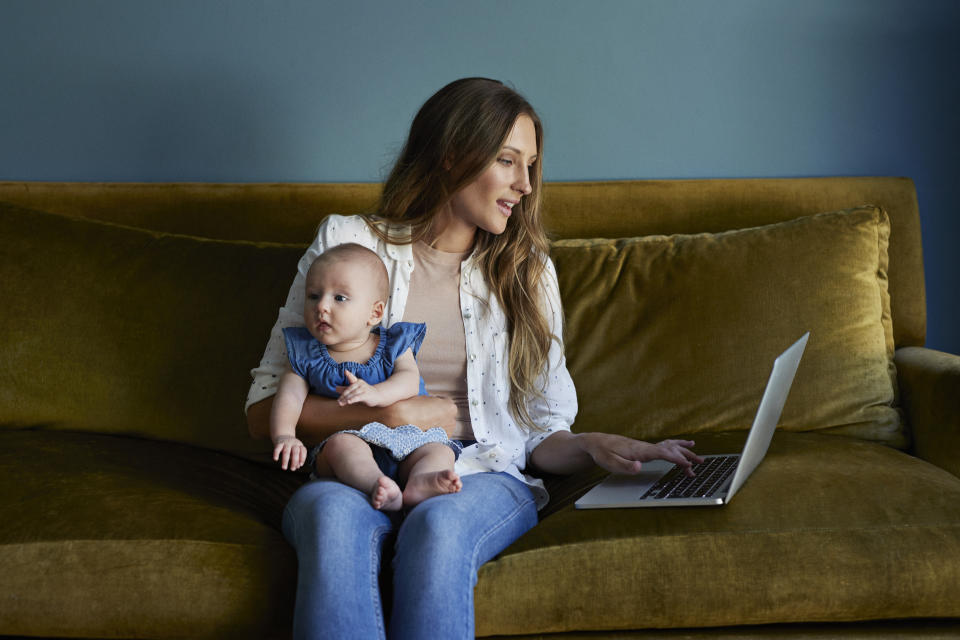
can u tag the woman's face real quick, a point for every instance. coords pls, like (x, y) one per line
(487, 202)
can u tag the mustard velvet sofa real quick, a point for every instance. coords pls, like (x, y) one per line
(134, 504)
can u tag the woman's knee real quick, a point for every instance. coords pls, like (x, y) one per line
(489, 513)
(438, 518)
(327, 508)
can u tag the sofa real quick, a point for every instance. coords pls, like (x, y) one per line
(136, 505)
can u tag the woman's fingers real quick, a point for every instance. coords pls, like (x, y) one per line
(679, 453)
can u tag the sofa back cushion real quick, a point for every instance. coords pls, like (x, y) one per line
(289, 212)
(677, 334)
(113, 329)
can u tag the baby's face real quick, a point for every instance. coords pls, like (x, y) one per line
(340, 305)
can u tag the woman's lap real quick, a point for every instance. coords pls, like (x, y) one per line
(439, 547)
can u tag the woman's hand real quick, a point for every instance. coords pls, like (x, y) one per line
(564, 452)
(620, 454)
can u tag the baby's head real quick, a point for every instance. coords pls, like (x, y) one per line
(346, 292)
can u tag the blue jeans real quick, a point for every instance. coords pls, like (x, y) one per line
(437, 549)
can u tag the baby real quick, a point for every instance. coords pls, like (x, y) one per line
(343, 352)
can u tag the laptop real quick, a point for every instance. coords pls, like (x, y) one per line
(719, 477)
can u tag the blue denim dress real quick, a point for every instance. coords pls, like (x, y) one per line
(310, 360)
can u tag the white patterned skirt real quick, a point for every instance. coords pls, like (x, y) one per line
(399, 442)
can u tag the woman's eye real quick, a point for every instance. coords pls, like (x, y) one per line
(507, 162)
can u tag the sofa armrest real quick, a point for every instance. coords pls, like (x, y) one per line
(930, 395)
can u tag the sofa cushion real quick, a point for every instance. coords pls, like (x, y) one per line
(106, 536)
(113, 329)
(827, 529)
(677, 334)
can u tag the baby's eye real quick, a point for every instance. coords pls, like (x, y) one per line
(340, 297)
(312, 297)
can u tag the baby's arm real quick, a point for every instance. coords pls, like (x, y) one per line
(403, 383)
(284, 414)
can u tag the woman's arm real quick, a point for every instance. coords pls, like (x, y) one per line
(564, 453)
(322, 417)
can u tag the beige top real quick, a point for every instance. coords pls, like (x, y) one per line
(435, 295)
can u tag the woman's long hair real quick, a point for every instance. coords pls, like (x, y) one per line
(454, 138)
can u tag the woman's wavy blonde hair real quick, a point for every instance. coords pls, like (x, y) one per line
(454, 138)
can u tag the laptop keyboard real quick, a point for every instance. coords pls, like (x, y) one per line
(711, 474)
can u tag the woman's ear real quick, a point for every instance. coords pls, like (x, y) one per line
(376, 313)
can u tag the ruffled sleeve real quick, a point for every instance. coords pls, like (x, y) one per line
(400, 337)
(405, 335)
(298, 341)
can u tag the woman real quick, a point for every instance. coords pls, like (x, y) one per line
(459, 229)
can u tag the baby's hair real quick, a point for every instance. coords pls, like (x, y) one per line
(354, 252)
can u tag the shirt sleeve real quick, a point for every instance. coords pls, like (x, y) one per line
(556, 410)
(332, 231)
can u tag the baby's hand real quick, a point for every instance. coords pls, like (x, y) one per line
(290, 452)
(358, 392)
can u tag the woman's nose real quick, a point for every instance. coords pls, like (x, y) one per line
(522, 184)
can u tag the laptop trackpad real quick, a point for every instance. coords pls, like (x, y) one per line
(628, 488)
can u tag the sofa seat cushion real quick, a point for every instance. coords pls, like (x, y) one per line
(107, 536)
(828, 529)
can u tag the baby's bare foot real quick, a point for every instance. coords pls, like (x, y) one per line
(386, 495)
(426, 485)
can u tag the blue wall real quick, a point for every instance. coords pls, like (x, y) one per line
(255, 90)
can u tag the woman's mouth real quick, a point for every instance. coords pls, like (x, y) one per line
(506, 206)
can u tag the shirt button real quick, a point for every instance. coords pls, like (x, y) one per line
(474, 403)
(467, 315)
(473, 357)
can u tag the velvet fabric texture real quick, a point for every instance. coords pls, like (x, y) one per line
(827, 528)
(112, 329)
(290, 213)
(678, 333)
(127, 538)
(930, 381)
(679, 329)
